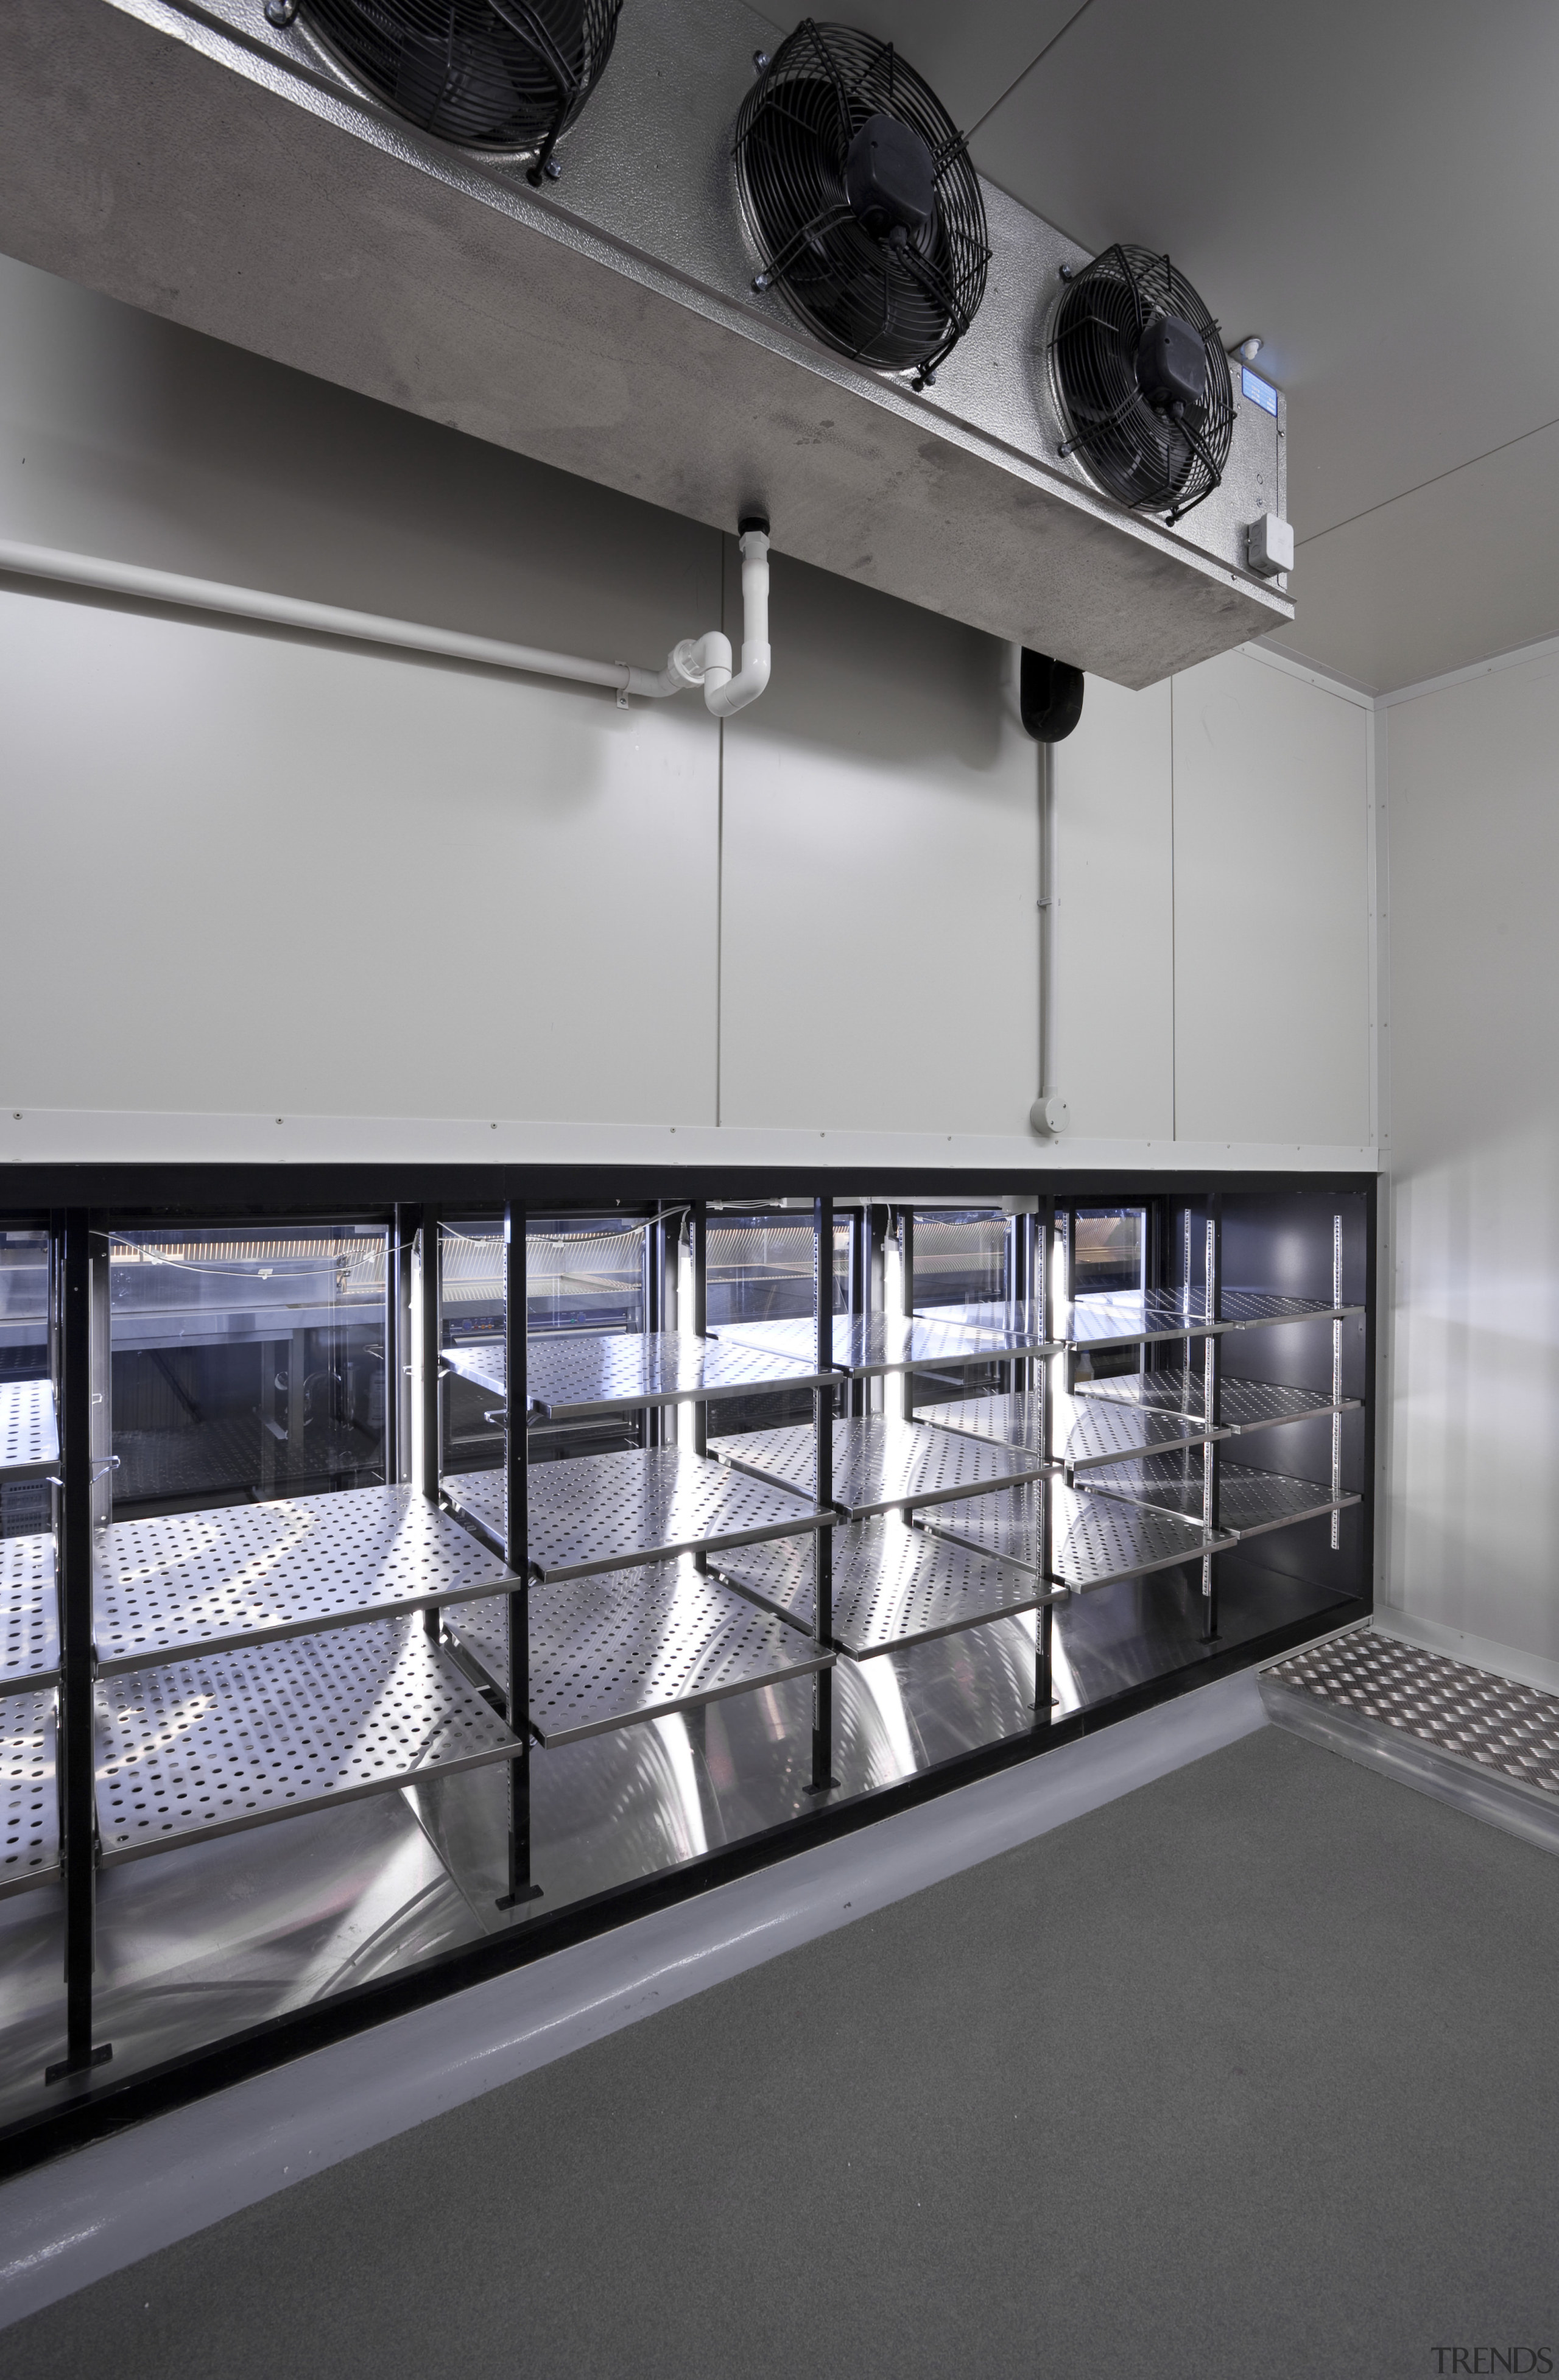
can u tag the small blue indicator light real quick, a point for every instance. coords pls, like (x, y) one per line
(1258, 390)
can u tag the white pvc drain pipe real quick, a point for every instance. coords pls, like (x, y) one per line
(697, 661)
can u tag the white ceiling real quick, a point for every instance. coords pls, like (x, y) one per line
(1374, 188)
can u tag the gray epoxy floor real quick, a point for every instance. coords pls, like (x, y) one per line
(1253, 2072)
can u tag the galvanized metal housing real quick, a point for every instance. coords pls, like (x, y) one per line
(205, 165)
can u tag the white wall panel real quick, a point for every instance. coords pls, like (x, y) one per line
(125, 435)
(1112, 1045)
(1474, 854)
(251, 872)
(1272, 907)
(880, 957)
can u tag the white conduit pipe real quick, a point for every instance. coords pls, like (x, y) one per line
(705, 660)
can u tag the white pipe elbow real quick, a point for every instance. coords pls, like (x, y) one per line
(736, 693)
(706, 661)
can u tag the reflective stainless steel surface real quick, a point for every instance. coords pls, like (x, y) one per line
(893, 1585)
(29, 1613)
(611, 1512)
(29, 1438)
(1243, 1405)
(231, 1740)
(1457, 1710)
(28, 1806)
(214, 1937)
(572, 1379)
(246, 1574)
(1097, 1539)
(1082, 1435)
(864, 1345)
(1250, 1502)
(1018, 1323)
(879, 1462)
(1254, 1309)
(1121, 1319)
(634, 1644)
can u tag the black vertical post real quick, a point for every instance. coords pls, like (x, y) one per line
(1211, 1373)
(1020, 1291)
(399, 1354)
(653, 1432)
(1153, 1234)
(698, 1249)
(1336, 1382)
(906, 1291)
(428, 1361)
(823, 1540)
(76, 1752)
(427, 1364)
(860, 1290)
(1044, 1298)
(1369, 1386)
(517, 1553)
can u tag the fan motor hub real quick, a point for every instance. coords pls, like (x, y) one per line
(1172, 365)
(890, 178)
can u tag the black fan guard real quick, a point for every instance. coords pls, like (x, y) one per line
(895, 307)
(505, 76)
(1142, 456)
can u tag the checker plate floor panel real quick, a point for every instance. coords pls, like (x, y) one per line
(1511, 1730)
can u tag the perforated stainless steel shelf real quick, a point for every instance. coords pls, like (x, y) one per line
(1016, 1420)
(1121, 1320)
(879, 1462)
(575, 1379)
(1255, 1309)
(29, 1797)
(1018, 1323)
(865, 1345)
(247, 1573)
(635, 1644)
(1082, 1435)
(1465, 1713)
(1249, 1501)
(1097, 1540)
(893, 1585)
(29, 1435)
(231, 1740)
(1243, 1405)
(29, 1613)
(613, 1512)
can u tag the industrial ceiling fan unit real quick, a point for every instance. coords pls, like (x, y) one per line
(1141, 382)
(861, 201)
(505, 76)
